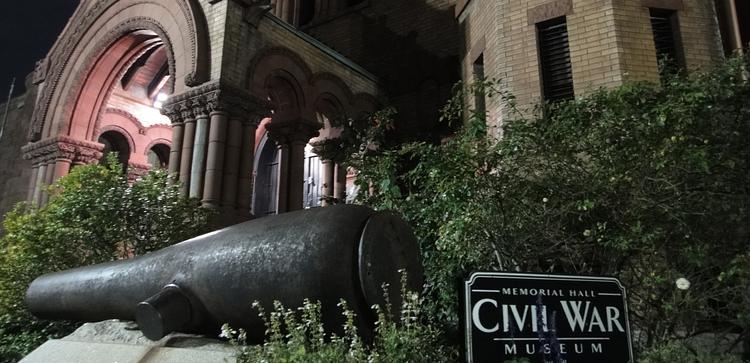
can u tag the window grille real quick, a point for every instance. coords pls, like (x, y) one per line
(554, 57)
(666, 39)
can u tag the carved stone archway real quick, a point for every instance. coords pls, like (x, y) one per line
(103, 39)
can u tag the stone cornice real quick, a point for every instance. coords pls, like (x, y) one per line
(63, 148)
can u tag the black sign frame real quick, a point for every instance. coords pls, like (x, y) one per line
(467, 306)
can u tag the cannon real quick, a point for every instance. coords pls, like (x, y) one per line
(324, 254)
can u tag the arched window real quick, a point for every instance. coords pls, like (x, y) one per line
(158, 156)
(115, 143)
(266, 189)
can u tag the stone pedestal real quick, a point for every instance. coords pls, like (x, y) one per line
(112, 341)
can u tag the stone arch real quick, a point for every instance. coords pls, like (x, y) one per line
(330, 106)
(330, 112)
(93, 84)
(284, 92)
(365, 102)
(162, 148)
(280, 62)
(121, 131)
(180, 26)
(324, 82)
(117, 139)
(122, 113)
(158, 142)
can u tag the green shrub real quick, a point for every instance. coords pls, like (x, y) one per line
(673, 352)
(645, 182)
(299, 336)
(93, 216)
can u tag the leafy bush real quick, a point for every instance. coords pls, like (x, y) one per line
(299, 336)
(672, 352)
(94, 216)
(645, 182)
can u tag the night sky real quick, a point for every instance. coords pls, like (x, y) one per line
(28, 28)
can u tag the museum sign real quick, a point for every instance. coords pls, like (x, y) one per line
(545, 319)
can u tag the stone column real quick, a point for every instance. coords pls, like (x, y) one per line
(282, 201)
(186, 157)
(297, 173)
(279, 9)
(247, 158)
(39, 184)
(32, 182)
(48, 178)
(329, 168)
(62, 167)
(734, 25)
(232, 158)
(63, 158)
(200, 148)
(175, 153)
(329, 151)
(217, 140)
(321, 8)
(339, 192)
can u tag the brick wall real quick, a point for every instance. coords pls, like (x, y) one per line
(611, 41)
(216, 23)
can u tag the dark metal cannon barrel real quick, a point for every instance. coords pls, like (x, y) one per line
(325, 254)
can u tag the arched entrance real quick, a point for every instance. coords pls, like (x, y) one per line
(104, 82)
(266, 179)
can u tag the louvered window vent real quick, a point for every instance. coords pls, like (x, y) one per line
(554, 56)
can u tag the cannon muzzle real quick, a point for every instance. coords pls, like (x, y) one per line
(324, 254)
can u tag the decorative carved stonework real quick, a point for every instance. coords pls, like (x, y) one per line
(40, 72)
(216, 97)
(293, 131)
(63, 148)
(329, 149)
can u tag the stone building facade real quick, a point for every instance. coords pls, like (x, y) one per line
(232, 96)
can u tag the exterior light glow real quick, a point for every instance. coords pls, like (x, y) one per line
(160, 99)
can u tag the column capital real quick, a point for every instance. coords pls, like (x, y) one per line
(293, 131)
(329, 149)
(217, 97)
(63, 148)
